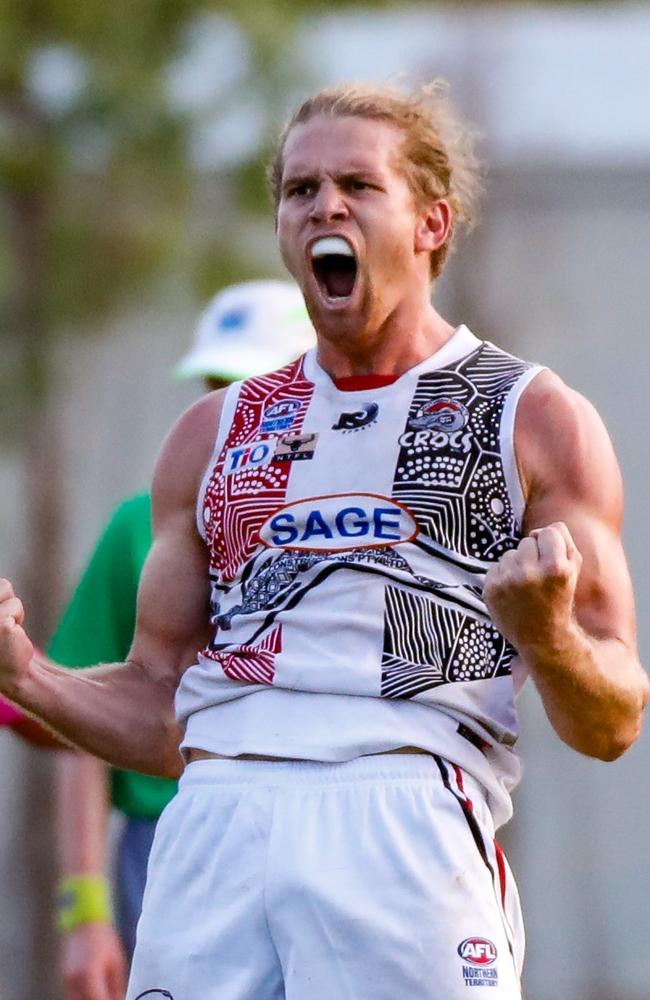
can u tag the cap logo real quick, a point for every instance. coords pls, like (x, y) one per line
(233, 319)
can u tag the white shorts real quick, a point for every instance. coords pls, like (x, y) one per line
(374, 879)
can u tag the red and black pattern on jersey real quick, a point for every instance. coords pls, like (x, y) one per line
(251, 663)
(451, 477)
(450, 470)
(235, 507)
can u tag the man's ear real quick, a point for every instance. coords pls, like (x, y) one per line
(433, 227)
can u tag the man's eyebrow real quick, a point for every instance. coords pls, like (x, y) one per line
(297, 177)
(356, 173)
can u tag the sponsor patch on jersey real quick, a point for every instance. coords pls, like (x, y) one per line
(357, 420)
(280, 416)
(248, 456)
(443, 415)
(479, 955)
(339, 522)
(478, 951)
(295, 447)
(420, 441)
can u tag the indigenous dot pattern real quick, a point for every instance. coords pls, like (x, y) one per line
(454, 484)
(235, 507)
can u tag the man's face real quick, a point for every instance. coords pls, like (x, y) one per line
(342, 179)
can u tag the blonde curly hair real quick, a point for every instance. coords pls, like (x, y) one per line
(438, 155)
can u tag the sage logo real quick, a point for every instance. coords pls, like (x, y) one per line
(357, 420)
(477, 951)
(339, 522)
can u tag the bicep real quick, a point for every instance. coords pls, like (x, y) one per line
(573, 476)
(172, 607)
(172, 621)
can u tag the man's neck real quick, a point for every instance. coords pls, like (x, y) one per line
(392, 349)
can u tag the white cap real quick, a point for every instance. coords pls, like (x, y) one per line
(249, 329)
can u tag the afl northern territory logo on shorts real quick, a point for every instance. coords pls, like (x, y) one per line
(479, 955)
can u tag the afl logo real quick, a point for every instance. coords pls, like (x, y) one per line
(477, 951)
(339, 522)
(443, 415)
(285, 408)
(281, 415)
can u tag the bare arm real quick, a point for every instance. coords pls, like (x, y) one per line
(93, 963)
(123, 713)
(82, 804)
(564, 596)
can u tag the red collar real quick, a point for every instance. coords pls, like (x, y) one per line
(354, 383)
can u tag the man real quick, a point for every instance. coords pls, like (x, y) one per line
(247, 328)
(382, 524)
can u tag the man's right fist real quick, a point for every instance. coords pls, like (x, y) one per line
(16, 649)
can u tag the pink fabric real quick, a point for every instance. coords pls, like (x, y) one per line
(8, 713)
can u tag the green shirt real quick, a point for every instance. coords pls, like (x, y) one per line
(98, 626)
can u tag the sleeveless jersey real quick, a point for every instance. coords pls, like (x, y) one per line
(349, 536)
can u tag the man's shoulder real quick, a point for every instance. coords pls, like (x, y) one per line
(560, 435)
(549, 403)
(198, 425)
(187, 449)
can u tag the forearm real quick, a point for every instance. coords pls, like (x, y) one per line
(594, 691)
(117, 712)
(82, 813)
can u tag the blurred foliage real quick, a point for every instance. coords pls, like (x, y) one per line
(93, 174)
(95, 158)
(217, 265)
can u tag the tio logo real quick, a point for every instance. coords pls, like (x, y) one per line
(477, 951)
(248, 456)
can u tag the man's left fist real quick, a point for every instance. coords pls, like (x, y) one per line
(530, 592)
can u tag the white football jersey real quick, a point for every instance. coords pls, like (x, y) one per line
(350, 533)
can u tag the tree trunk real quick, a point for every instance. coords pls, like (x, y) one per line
(39, 574)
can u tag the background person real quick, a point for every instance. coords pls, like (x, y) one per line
(246, 329)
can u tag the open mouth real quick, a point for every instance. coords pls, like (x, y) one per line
(335, 266)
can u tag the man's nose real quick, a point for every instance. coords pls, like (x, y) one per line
(328, 204)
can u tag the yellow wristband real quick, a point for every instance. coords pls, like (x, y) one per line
(83, 899)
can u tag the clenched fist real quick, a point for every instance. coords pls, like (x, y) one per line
(16, 649)
(530, 591)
